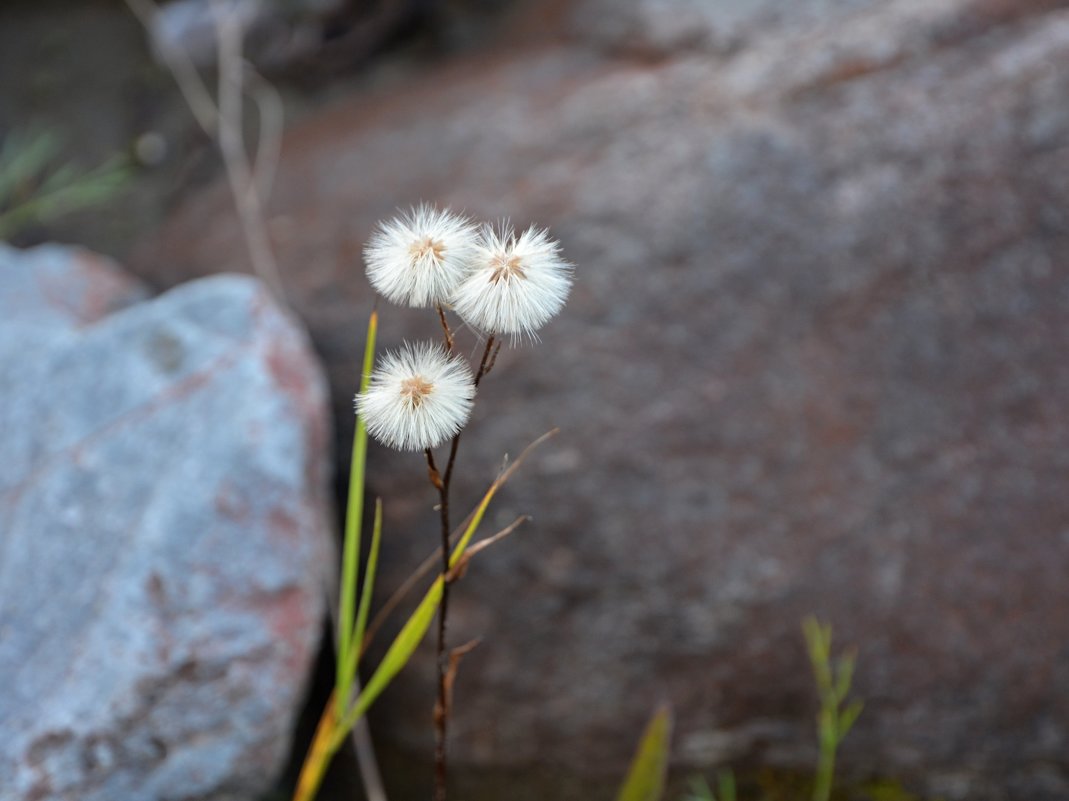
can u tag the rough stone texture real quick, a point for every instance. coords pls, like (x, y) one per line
(814, 362)
(59, 288)
(164, 535)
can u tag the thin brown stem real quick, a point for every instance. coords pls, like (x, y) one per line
(441, 708)
(445, 328)
(452, 459)
(442, 482)
(432, 471)
(489, 357)
(485, 365)
(493, 358)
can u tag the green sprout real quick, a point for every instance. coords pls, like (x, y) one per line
(701, 791)
(836, 717)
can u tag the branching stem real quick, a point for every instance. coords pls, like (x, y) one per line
(441, 482)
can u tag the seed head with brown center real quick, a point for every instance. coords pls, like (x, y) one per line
(418, 259)
(415, 389)
(417, 397)
(516, 283)
(426, 250)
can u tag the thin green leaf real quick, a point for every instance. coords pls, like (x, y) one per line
(845, 668)
(848, 717)
(646, 776)
(469, 532)
(412, 633)
(434, 559)
(480, 510)
(369, 578)
(818, 643)
(347, 657)
(400, 651)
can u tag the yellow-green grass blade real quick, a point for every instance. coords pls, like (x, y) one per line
(369, 580)
(646, 776)
(412, 633)
(343, 680)
(400, 651)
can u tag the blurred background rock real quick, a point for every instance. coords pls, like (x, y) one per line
(815, 359)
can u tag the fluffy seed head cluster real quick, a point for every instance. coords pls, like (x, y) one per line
(418, 259)
(417, 398)
(498, 282)
(516, 284)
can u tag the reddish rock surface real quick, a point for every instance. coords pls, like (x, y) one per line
(59, 288)
(165, 536)
(813, 362)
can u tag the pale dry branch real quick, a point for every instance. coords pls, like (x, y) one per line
(460, 568)
(229, 38)
(193, 89)
(222, 121)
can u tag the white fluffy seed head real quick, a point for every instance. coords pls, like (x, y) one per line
(419, 258)
(417, 398)
(516, 284)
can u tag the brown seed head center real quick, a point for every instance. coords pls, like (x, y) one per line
(426, 248)
(505, 267)
(415, 389)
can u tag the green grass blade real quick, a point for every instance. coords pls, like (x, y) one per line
(344, 674)
(400, 651)
(847, 718)
(646, 776)
(412, 633)
(818, 643)
(369, 580)
(845, 676)
(476, 519)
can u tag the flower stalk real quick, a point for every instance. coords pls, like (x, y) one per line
(499, 283)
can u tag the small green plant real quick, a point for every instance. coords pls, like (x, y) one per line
(701, 791)
(836, 716)
(646, 777)
(36, 186)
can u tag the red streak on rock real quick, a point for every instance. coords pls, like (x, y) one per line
(282, 522)
(289, 619)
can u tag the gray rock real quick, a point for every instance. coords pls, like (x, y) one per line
(164, 535)
(280, 30)
(718, 26)
(60, 289)
(813, 362)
